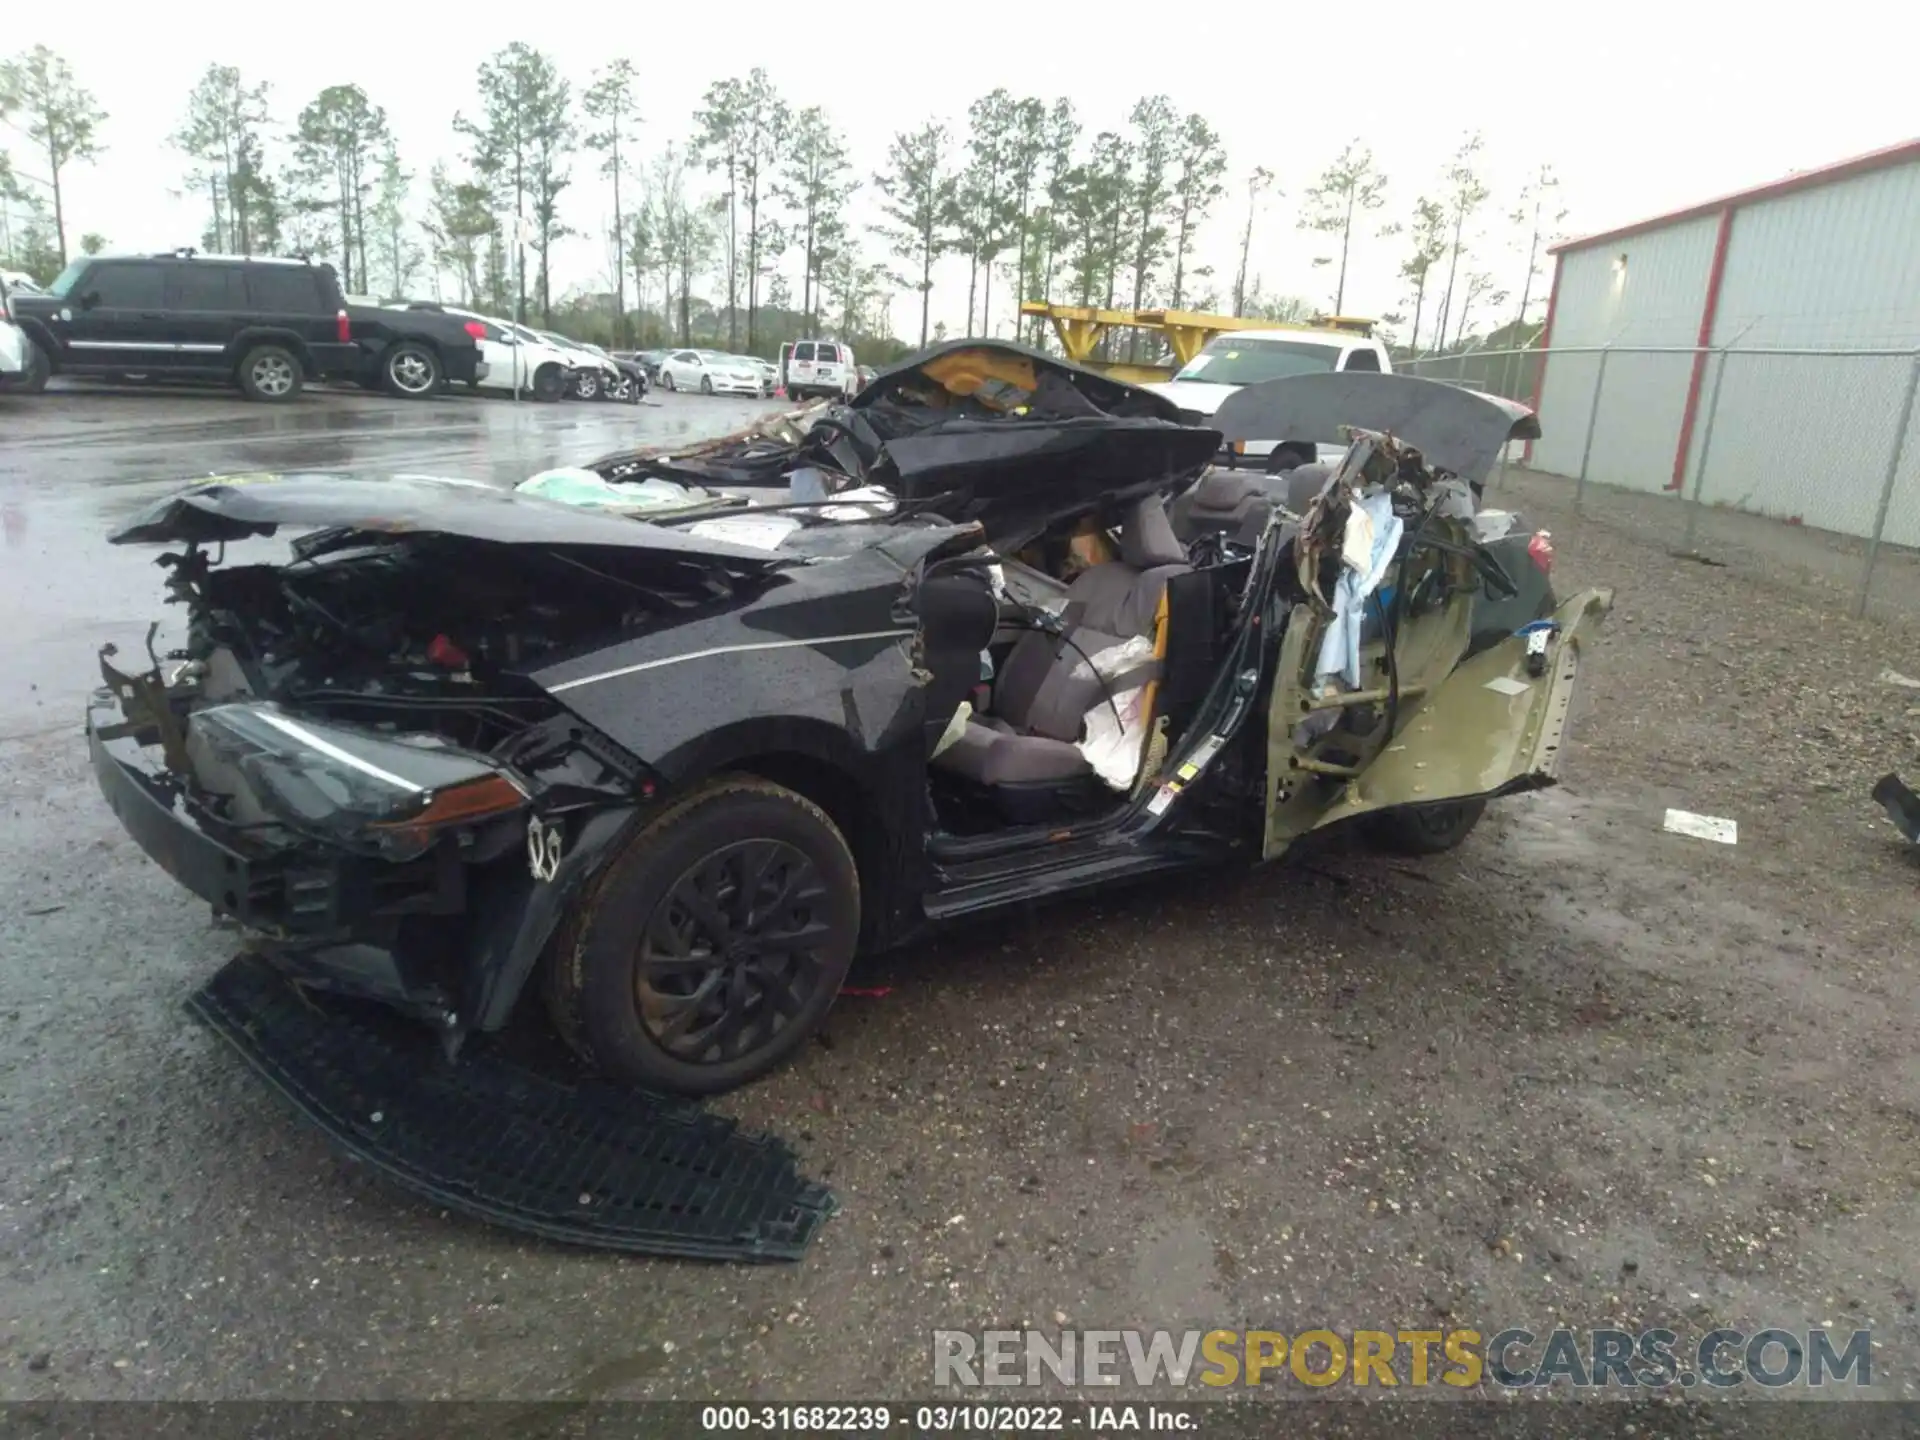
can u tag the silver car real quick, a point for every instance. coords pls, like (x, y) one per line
(710, 373)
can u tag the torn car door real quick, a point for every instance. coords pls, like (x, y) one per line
(1491, 726)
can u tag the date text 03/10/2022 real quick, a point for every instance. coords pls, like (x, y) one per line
(957, 1419)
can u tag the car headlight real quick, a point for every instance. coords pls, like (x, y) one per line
(369, 790)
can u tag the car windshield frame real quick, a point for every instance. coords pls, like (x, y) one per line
(1233, 360)
(63, 282)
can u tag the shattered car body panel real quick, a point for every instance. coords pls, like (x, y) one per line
(458, 738)
(1457, 430)
(1439, 714)
(1487, 729)
(223, 509)
(988, 432)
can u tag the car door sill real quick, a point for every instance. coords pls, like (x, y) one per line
(985, 886)
(942, 846)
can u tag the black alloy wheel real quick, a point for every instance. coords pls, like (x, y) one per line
(730, 952)
(714, 945)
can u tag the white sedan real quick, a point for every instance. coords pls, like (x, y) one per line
(518, 360)
(710, 373)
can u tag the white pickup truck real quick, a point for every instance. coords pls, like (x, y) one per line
(1247, 357)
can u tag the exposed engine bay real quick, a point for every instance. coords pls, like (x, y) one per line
(429, 630)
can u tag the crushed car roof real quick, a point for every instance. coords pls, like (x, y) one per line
(1455, 429)
(984, 430)
(950, 365)
(994, 420)
(233, 508)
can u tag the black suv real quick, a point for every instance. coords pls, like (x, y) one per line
(267, 325)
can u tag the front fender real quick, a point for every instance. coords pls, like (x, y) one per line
(1488, 729)
(40, 334)
(517, 916)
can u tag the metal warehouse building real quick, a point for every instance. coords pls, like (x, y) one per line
(1757, 349)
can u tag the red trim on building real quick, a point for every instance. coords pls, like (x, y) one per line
(1907, 151)
(1546, 340)
(1708, 310)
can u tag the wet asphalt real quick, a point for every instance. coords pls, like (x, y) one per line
(1563, 1075)
(77, 461)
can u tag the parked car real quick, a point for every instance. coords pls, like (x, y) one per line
(470, 743)
(1239, 358)
(15, 350)
(648, 359)
(267, 325)
(630, 383)
(518, 360)
(818, 370)
(710, 372)
(768, 372)
(595, 376)
(864, 375)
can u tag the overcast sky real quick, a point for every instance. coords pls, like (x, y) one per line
(1639, 107)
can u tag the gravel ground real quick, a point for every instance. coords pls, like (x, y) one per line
(1578, 1072)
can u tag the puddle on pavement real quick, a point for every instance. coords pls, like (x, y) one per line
(612, 1375)
(1177, 1270)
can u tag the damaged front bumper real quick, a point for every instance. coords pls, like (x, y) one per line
(448, 935)
(442, 921)
(586, 1164)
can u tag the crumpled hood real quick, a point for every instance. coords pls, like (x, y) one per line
(236, 507)
(1458, 430)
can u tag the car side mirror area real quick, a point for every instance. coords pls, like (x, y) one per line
(90, 299)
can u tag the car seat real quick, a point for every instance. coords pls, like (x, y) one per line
(1023, 751)
(1237, 503)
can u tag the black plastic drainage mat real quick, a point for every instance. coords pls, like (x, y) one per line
(590, 1165)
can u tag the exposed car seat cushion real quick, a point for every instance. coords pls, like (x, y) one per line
(1239, 502)
(1048, 683)
(990, 752)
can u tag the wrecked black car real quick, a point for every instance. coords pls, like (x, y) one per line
(939, 651)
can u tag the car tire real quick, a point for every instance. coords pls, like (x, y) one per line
(39, 370)
(270, 373)
(706, 384)
(412, 371)
(586, 384)
(666, 381)
(1424, 829)
(1288, 457)
(549, 383)
(658, 977)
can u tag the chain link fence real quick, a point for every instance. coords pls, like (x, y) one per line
(1771, 459)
